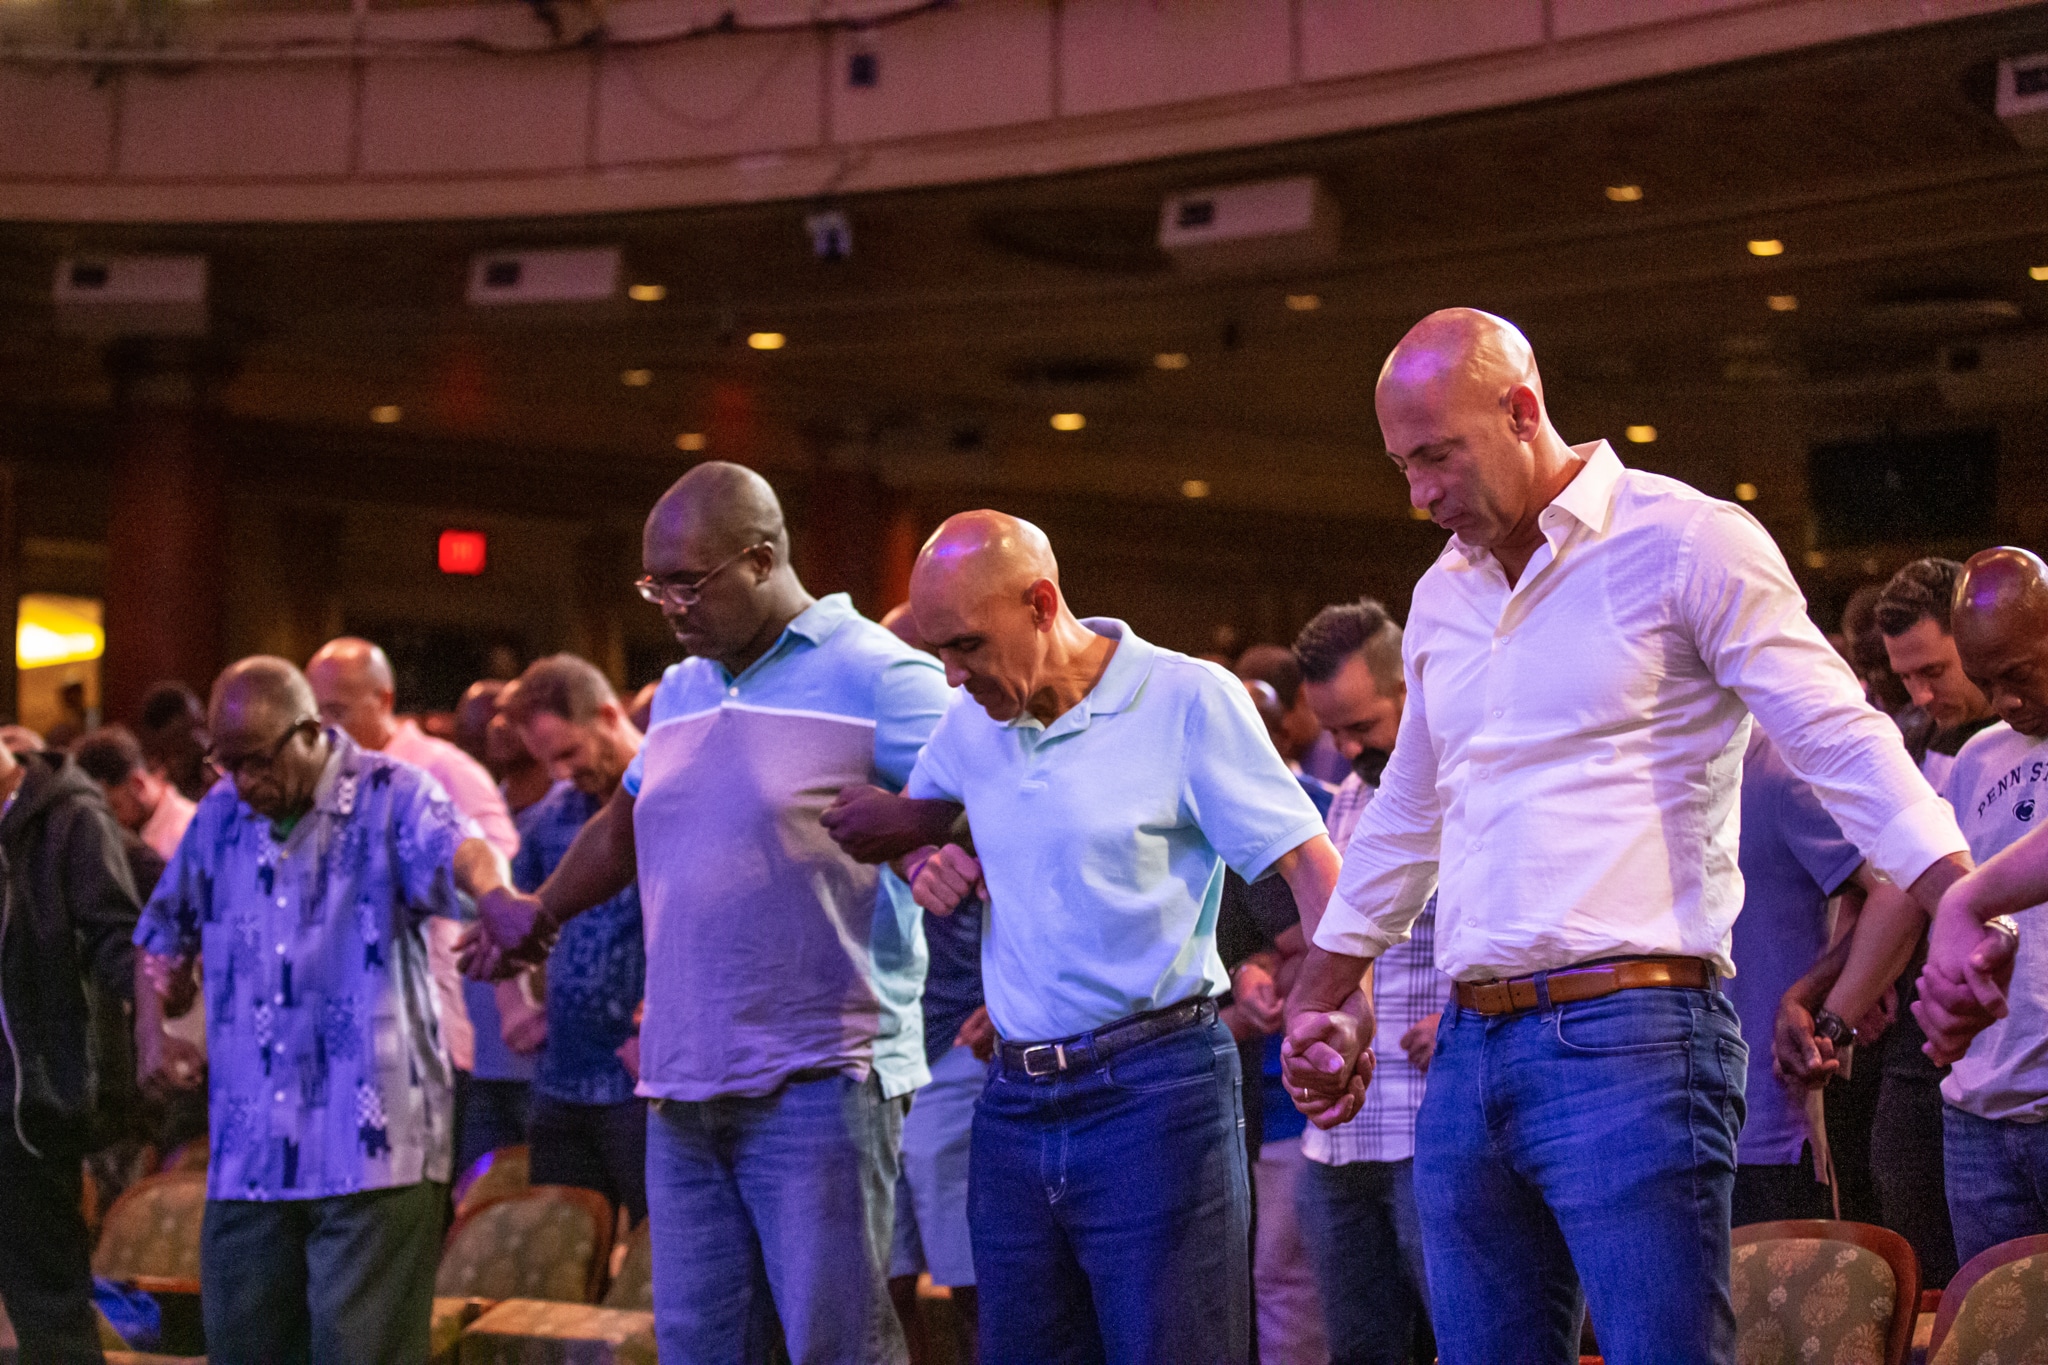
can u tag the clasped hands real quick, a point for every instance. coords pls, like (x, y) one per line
(512, 932)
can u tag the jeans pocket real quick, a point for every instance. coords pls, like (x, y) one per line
(1626, 1023)
(1163, 1064)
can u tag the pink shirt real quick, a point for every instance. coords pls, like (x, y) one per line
(166, 824)
(470, 787)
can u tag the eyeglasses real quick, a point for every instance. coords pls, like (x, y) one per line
(263, 759)
(667, 592)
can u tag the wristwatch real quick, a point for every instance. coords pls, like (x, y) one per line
(1833, 1027)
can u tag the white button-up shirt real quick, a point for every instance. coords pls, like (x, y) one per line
(1570, 759)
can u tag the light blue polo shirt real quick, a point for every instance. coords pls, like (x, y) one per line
(1103, 836)
(769, 951)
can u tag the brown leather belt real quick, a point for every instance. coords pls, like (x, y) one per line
(1590, 982)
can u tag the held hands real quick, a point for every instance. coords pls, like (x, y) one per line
(174, 980)
(511, 932)
(1326, 1065)
(1800, 1056)
(946, 879)
(1969, 969)
(166, 1064)
(867, 822)
(522, 1022)
(1258, 997)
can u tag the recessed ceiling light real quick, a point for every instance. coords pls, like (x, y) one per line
(1171, 360)
(1642, 433)
(1783, 303)
(1766, 246)
(1745, 492)
(2037, 272)
(691, 440)
(647, 293)
(1624, 194)
(767, 341)
(1068, 421)
(1304, 303)
(386, 413)
(637, 379)
(1417, 513)
(1194, 488)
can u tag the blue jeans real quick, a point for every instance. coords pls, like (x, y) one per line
(1598, 1135)
(1997, 1179)
(1110, 1209)
(789, 1195)
(1366, 1244)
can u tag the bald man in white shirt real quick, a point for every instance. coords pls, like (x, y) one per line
(1583, 662)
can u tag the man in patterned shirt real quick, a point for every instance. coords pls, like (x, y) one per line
(588, 1129)
(306, 881)
(1356, 1197)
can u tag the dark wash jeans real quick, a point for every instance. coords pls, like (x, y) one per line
(1598, 1135)
(1110, 1209)
(1365, 1243)
(1997, 1179)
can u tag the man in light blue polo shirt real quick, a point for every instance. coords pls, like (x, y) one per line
(1108, 783)
(783, 1033)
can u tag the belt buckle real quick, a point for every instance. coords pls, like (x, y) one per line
(1053, 1053)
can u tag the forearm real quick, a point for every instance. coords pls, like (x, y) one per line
(1929, 887)
(601, 862)
(480, 868)
(149, 1007)
(1328, 982)
(2015, 880)
(924, 823)
(1887, 931)
(1311, 872)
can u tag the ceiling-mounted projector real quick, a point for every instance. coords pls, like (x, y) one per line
(2023, 98)
(116, 296)
(556, 275)
(1251, 226)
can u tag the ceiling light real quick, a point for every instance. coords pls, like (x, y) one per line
(1304, 303)
(1766, 246)
(1417, 513)
(767, 341)
(1194, 488)
(637, 379)
(1624, 194)
(1642, 433)
(386, 413)
(691, 440)
(1068, 421)
(647, 293)
(2037, 272)
(1783, 303)
(53, 630)
(1171, 360)
(1745, 492)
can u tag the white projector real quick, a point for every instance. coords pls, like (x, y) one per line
(2023, 98)
(571, 275)
(1251, 226)
(115, 296)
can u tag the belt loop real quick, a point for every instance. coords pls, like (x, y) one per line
(1543, 991)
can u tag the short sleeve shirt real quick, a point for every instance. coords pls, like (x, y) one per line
(769, 951)
(1104, 835)
(1793, 857)
(326, 1068)
(1999, 788)
(596, 970)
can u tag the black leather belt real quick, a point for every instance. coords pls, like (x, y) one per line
(1087, 1050)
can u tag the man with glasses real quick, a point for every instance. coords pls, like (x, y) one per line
(782, 1035)
(307, 880)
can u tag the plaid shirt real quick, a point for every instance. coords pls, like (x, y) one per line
(1407, 988)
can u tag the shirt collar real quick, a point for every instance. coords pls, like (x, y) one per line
(1117, 688)
(814, 625)
(1588, 498)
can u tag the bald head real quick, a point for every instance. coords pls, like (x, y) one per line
(351, 680)
(264, 729)
(2000, 618)
(262, 685)
(1461, 349)
(984, 553)
(720, 509)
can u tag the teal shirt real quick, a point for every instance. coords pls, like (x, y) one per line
(769, 951)
(1103, 836)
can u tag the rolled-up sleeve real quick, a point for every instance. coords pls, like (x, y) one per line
(1390, 866)
(1750, 625)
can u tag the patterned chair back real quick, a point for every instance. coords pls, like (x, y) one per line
(633, 1287)
(1995, 1311)
(152, 1231)
(1819, 1290)
(491, 1176)
(548, 1242)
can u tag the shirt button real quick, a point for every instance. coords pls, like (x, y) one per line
(280, 947)
(280, 1097)
(732, 692)
(1496, 716)
(280, 997)
(281, 899)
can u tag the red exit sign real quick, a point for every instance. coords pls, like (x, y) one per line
(463, 552)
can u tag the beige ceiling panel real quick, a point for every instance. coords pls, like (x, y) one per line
(289, 119)
(1576, 18)
(977, 66)
(731, 97)
(461, 116)
(54, 122)
(1117, 55)
(1357, 37)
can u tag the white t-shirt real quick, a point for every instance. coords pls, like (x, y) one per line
(1999, 788)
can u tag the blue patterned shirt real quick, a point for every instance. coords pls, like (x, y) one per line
(598, 967)
(326, 1066)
